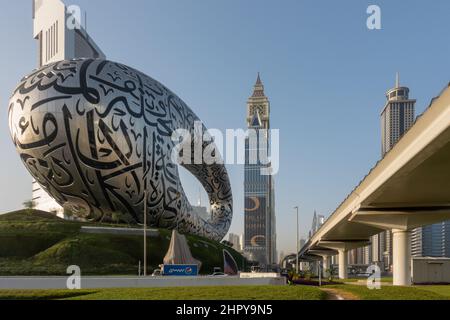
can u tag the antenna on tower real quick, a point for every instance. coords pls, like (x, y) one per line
(397, 80)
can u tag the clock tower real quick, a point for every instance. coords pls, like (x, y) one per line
(260, 225)
(258, 107)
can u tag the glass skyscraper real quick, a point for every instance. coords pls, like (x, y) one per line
(260, 225)
(431, 241)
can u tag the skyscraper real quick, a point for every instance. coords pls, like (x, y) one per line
(431, 241)
(302, 243)
(56, 41)
(235, 240)
(260, 225)
(397, 118)
(318, 221)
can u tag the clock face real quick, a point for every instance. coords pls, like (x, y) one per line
(260, 109)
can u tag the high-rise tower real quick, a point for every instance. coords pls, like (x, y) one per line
(260, 231)
(396, 118)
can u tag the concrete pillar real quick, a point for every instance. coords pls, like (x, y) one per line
(315, 268)
(401, 257)
(326, 265)
(343, 264)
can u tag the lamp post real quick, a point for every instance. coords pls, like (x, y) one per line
(296, 243)
(320, 273)
(145, 230)
(178, 198)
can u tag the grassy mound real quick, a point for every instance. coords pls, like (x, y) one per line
(38, 243)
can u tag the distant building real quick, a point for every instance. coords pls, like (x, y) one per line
(318, 221)
(362, 256)
(359, 256)
(282, 256)
(235, 240)
(367, 255)
(202, 212)
(259, 194)
(431, 241)
(302, 243)
(57, 42)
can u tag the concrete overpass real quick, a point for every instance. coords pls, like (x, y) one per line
(408, 188)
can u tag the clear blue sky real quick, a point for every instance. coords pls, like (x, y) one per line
(324, 71)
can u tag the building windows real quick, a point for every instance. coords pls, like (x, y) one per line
(56, 37)
(51, 42)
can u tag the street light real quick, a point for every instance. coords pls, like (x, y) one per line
(296, 243)
(178, 197)
(145, 230)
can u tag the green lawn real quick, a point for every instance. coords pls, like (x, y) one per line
(383, 280)
(188, 293)
(441, 290)
(232, 293)
(396, 293)
(42, 294)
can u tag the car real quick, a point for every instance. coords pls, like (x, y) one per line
(256, 269)
(157, 273)
(219, 274)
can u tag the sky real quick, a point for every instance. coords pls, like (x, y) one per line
(324, 72)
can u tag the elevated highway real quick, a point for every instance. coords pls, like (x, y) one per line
(408, 188)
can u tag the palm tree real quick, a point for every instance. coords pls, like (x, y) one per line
(29, 204)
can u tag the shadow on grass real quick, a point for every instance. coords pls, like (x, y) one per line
(43, 294)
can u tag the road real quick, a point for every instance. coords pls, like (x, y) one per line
(31, 283)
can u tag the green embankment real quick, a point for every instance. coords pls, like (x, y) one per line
(38, 243)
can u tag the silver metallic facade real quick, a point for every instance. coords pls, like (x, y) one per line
(95, 134)
(57, 41)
